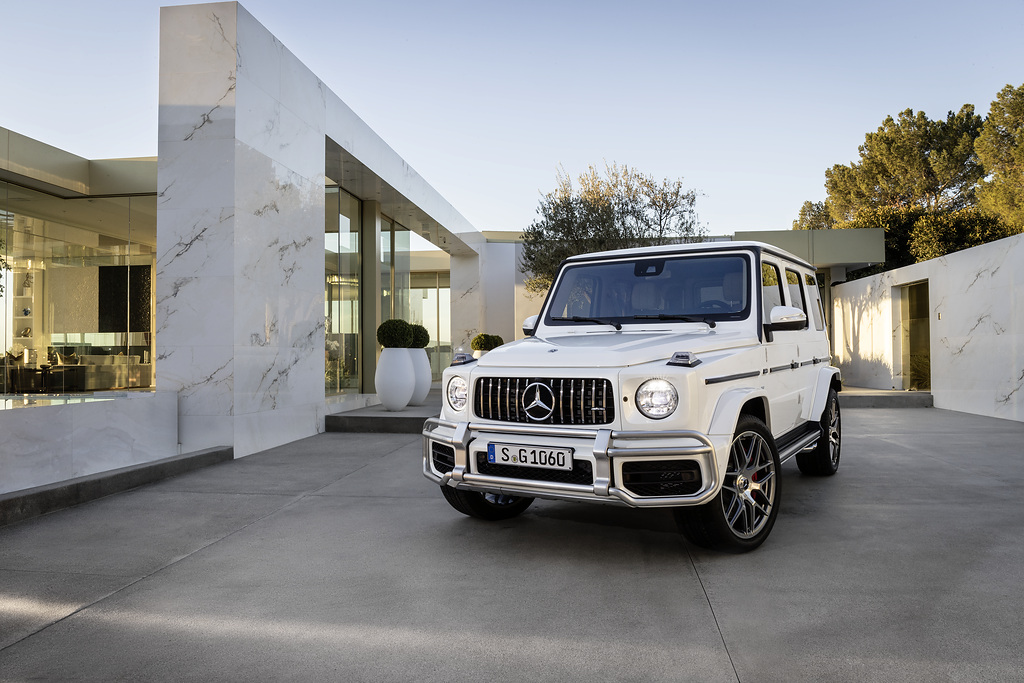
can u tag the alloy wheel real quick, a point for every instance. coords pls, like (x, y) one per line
(748, 493)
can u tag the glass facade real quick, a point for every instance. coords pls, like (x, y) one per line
(341, 293)
(77, 303)
(430, 306)
(394, 270)
(415, 295)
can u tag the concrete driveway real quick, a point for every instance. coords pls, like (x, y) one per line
(333, 559)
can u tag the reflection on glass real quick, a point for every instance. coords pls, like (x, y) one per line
(386, 270)
(400, 271)
(430, 305)
(78, 299)
(341, 293)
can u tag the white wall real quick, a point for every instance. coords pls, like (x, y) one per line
(526, 304)
(59, 439)
(240, 221)
(976, 298)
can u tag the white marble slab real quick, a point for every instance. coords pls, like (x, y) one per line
(976, 327)
(50, 443)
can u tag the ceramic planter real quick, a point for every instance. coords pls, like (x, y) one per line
(395, 378)
(421, 369)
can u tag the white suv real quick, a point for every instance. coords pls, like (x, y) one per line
(680, 376)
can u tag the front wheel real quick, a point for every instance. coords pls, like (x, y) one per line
(490, 506)
(743, 513)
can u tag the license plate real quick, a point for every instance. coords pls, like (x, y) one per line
(530, 456)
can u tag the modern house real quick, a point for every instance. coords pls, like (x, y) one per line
(225, 295)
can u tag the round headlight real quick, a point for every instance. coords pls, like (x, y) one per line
(657, 399)
(458, 393)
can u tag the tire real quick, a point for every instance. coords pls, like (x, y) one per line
(743, 513)
(823, 461)
(490, 506)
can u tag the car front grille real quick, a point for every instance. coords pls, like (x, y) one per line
(581, 473)
(562, 401)
(653, 478)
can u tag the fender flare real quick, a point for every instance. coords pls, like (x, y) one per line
(826, 378)
(727, 411)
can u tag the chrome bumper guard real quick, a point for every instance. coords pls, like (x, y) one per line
(458, 435)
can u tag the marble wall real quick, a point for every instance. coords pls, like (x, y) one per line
(239, 282)
(976, 300)
(48, 440)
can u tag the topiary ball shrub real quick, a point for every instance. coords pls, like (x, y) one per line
(420, 337)
(395, 334)
(486, 342)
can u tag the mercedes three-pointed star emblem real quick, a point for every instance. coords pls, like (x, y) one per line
(538, 401)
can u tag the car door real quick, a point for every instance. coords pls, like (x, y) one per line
(805, 346)
(783, 380)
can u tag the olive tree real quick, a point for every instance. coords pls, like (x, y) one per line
(619, 209)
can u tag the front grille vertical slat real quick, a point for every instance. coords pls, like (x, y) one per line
(573, 399)
(604, 399)
(498, 400)
(516, 404)
(593, 401)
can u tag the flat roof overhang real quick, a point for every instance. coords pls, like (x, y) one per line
(346, 171)
(850, 248)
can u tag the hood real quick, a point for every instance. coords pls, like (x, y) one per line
(611, 349)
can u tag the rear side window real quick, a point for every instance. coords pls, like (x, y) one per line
(814, 298)
(796, 291)
(771, 289)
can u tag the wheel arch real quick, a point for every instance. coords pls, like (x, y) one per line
(736, 402)
(828, 378)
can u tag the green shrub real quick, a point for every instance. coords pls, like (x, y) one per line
(395, 334)
(486, 342)
(420, 337)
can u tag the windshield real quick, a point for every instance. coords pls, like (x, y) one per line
(665, 288)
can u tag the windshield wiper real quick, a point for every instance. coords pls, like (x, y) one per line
(684, 318)
(599, 321)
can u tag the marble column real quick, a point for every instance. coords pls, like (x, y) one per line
(239, 282)
(467, 300)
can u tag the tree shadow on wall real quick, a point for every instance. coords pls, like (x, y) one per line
(857, 310)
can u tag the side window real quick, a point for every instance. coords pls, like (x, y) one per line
(796, 291)
(814, 297)
(771, 289)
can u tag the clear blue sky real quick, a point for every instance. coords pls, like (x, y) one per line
(748, 102)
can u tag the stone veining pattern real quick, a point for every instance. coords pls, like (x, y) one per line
(976, 328)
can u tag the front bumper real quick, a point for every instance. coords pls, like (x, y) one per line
(619, 460)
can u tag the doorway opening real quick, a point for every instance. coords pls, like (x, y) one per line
(915, 314)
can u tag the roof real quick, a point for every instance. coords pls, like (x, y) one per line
(704, 247)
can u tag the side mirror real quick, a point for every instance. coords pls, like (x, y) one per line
(529, 325)
(787, 318)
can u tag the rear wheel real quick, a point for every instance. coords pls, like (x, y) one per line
(492, 506)
(823, 460)
(743, 513)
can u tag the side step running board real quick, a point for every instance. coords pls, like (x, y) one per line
(794, 446)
